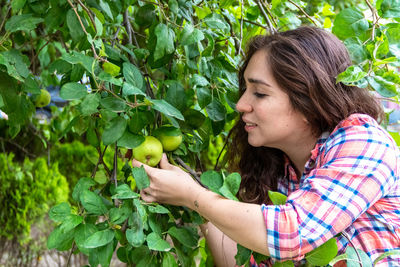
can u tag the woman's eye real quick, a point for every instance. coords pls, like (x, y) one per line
(258, 95)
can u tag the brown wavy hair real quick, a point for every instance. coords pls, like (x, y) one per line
(305, 63)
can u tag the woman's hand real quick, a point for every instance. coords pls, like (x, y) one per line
(168, 185)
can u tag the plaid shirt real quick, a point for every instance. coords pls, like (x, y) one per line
(351, 184)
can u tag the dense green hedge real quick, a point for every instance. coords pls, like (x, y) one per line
(27, 191)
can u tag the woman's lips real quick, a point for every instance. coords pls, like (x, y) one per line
(250, 126)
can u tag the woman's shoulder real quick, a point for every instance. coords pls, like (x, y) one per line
(357, 119)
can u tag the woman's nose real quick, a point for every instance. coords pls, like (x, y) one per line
(243, 105)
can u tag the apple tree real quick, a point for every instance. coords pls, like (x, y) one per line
(132, 69)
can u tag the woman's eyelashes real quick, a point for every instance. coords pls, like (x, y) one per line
(259, 95)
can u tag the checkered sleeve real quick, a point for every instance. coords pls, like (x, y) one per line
(353, 170)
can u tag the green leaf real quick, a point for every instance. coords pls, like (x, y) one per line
(132, 75)
(212, 179)
(323, 254)
(351, 75)
(277, 198)
(141, 211)
(384, 87)
(24, 22)
(388, 8)
(113, 104)
(60, 240)
(89, 104)
(158, 209)
(231, 186)
(350, 22)
(119, 215)
(59, 212)
(72, 91)
(93, 203)
(190, 35)
(128, 89)
(216, 110)
(198, 80)
(165, 41)
(353, 260)
(83, 231)
(393, 36)
(114, 130)
(166, 108)
(283, 264)
(176, 95)
(70, 222)
(184, 236)
(243, 255)
(80, 58)
(203, 96)
(130, 140)
(123, 191)
(356, 49)
(155, 242)
(82, 185)
(216, 21)
(104, 254)
(16, 5)
(135, 235)
(16, 63)
(169, 261)
(74, 26)
(99, 239)
(106, 8)
(141, 178)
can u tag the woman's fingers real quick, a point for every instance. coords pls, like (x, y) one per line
(164, 164)
(146, 196)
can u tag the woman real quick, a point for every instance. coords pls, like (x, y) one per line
(313, 139)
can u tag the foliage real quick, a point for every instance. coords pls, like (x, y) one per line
(128, 67)
(27, 190)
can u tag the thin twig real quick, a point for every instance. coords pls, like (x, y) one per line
(223, 148)
(128, 26)
(70, 253)
(83, 27)
(18, 146)
(270, 14)
(374, 18)
(5, 18)
(302, 11)
(351, 243)
(241, 28)
(255, 23)
(89, 14)
(190, 170)
(270, 26)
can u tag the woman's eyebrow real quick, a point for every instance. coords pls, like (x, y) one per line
(253, 80)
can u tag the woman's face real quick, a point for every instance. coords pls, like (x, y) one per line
(270, 119)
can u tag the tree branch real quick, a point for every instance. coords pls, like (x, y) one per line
(190, 170)
(271, 28)
(83, 28)
(88, 12)
(302, 11)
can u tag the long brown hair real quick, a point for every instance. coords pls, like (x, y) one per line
(304, 62)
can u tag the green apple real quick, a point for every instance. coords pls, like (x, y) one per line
(149, 152)
(43, 99)
(170, 137)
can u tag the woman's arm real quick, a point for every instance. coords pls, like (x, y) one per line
(221, 246)
(242, 222)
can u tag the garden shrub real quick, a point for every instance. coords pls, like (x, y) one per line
(27, 191)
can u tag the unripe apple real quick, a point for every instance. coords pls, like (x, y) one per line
(149, 152)
(170, 137)
(43, 99)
